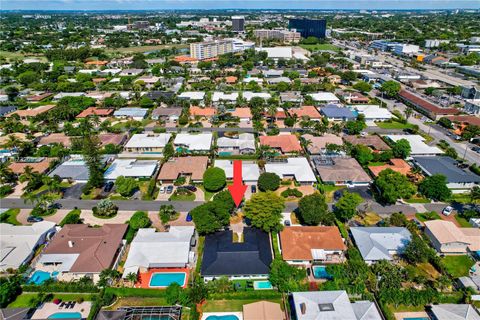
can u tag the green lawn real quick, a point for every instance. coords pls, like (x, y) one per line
(182, 197)
(207, 194)
(457, 266)
(461, 198)
(394, 125)
(10, 216)
(232, 305)
(462, 221)
(417, 199)
(138, 302)
(427, 216)
(25, 299)
(376, 163)
(320, 46)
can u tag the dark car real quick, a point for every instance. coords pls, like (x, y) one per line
(169, 189)
(108, 186)
(188, 218)
(337, 195)
(55, 205)
(286, 223)
(190, 188)
(33, 219)
(476, 149)
(254, 189)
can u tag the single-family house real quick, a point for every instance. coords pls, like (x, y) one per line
(33, 112)
(448, 238)
(307, 245)
(305, 112)
(297, 169)
(192, 166)
(318, 145)
(380, 243)
(244, 114)
(372, 141)
(133, 113)
(324, 97)
(397, 165)
(341, 171)
(38, 164)
(336, 113)
(244, 143)
(372, 112)
(130, 72)
(189, 142)
(94, 111)
(285, 143)
(451, 311)
(417, 145)
(166, 114)
(196, 96)
(55, 138)
(263, 310)
(146, 143)
(250, 170)
(204, 113)
(132, 168)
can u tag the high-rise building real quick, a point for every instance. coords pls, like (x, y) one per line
(210, 49)
(238, 23)
(309, 27)
(279, 34)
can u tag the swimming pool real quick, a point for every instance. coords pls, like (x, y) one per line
(65, 315)
(223, 317)
(164, 279)
(39, 277)
(320, 272)
(262, 285)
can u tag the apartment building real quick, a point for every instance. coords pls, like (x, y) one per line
(210, 49)
(283, 35)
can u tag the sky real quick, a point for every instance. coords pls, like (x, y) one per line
(234, 4)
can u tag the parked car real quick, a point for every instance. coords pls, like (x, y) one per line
(169, 189)
(108, 186)
(447, 210)
(254, 189)
(33, 219)
(188, 218)
(337, 195)
(476, 149)
(287, 223)
(55, 205)
(190, 188)
(162, 189)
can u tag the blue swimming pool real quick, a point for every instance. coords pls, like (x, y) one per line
(224, 153)
(224, 317)
(39, 277)
(65, 315)
(262, 285)
(320, 272)
(164, 279)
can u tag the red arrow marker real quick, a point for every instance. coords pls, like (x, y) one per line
(237, 190)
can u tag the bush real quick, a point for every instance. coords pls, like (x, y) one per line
(5, 190)
(214, 179)
(313, 209)
(268, 181)
(125, 186)
(105, 209)
(292, 193)
(73, 217)
(139, 220)
(180, 181)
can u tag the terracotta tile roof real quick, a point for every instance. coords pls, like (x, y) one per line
(96, 63)
(112, 138)
(185, 59)
(41, 166)
(96, 247)
(242, 113)
(60, 138)
(372, 141)
(424, 104)
(398, 165)
(90, 111)
(202, 112)
(194, 166)
(32, 112)
(297, 242)
(284, 142)
(342, 170)
(39, 97)
(466, 119)
(305, 111)
(319, 143)
(231, 79)
(98, 80)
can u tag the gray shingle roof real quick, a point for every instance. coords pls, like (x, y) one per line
(448, 167)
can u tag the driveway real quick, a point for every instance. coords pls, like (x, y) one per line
(363, 192)
(18, 190)
(74, 192)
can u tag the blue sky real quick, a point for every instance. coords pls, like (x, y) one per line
(234, 4)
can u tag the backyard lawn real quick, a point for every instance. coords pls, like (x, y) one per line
(25, 300)
(462, 221)
(426, 216)
(457, 266)
(232, 304)
(138, 302)
(394, 125)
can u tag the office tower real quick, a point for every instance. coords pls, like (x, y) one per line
(238, 23)
(309, 27)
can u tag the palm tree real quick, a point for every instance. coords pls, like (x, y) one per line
(53, 184)
(132, 277)
(272, 111)
(13, 142)
(28, 174)
(475, 194)
(408, 112)
(6, 174)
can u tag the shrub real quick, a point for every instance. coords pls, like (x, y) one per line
(268, 181)
(5, 190)
(126, 186)
(105, 209)
(214, 179)
(73, 217)
(292, 193)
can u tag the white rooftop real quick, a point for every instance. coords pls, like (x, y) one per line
(417, 143)
(151, 249)
(194, 142)
(372, 111)
(324, 96)
(278, 52)
(244, 141)
(297, 167)
(217, 96)
(248, 95)
(144, 140)
(18, 242)
(130, 168)
(250, 171)
(192, 95)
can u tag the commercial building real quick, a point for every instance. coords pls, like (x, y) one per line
(434, 43)
(309, 27)
(282, 35)
(331, 305)
(472, 106)
(427, 108)
(210, 49)
(238, 23)
(405, 49)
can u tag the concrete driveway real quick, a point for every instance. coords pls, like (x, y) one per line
(74, 192)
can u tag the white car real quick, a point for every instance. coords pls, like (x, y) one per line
(447, 211)
(162, 189)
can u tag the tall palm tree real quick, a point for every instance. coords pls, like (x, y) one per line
(132, 277)
(28, 174)
(13, 142)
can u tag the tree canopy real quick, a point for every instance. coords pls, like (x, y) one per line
(435, 188)
(393, 185)
(264, 210)
(268, 181)
(346, 207)
(214, 179)
(313, 209)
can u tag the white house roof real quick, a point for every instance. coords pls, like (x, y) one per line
(248, 95)
(131, 112)
(298, 167)
(324, 96)
(455, 312)
(192, 95)
(17, 242)
(194, 142)
(372, 111)
(378, 243)
(417, 143)
(244, 141)
(278, 52)
(332, 305)
(217, 96)
(61, 95)
(143, 140)
(151, 249)
(250, 171)
(130, 168)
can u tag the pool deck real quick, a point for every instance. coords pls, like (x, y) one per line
(144, 278)
(239, 315)
(49, 308)
(403, 315)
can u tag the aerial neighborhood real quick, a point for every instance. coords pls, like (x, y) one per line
(239, 165)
